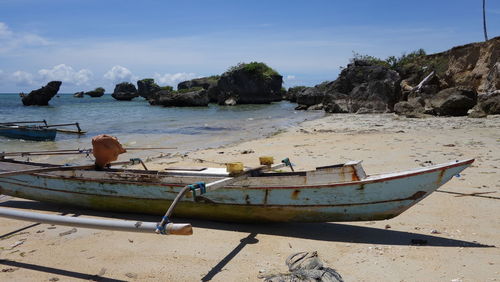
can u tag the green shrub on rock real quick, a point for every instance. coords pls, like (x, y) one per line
(255, 68)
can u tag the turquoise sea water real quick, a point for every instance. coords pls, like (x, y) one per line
(137, 124)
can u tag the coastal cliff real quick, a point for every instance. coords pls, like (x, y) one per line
(452, 82)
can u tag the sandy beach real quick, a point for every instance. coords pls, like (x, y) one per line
(459, 224)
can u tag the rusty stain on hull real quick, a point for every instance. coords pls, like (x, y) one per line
(440, 178)
(266, 195)
(295, 194)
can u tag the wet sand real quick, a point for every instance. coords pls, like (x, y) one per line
(459, 229)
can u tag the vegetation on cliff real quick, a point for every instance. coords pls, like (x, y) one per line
(407, 62)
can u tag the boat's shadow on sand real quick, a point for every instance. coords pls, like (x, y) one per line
(331, 232)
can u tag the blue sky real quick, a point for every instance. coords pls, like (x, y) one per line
(88, 43)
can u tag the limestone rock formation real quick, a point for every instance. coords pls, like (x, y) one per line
(193, 97)
(208, 83)
(253, 83)
(147, 88)
(125, 91)
(98, 92)
(42, 96)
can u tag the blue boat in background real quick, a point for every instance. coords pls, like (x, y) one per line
(34, 133)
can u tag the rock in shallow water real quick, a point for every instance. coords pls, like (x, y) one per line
(42, 96)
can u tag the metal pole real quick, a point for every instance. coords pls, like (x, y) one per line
(484, 21)
(105, 224)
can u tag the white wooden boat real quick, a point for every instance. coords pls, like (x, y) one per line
(333, 193)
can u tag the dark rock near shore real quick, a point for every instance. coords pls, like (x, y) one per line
(79, 94)
(147, 88)
(42, 96)
(253, 83)
(125, 91)
(454, 101)
(208, 83)
(98, 92)
(186, 98)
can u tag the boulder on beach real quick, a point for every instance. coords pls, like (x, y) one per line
(192, 97)
(252, 83)
(42, 96)
(98, 92)
(125, 91)
(453, 101)
(147, 88)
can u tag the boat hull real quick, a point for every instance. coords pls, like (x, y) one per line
(34, 134)
(373, 198)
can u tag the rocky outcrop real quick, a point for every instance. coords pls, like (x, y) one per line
(147, 88)
(79, 94)
(415, 84)
(293, 92)
(42, 96)
(253, 83)
(98, 92)
(125, 91)
(362, 87)
(193, 97)
(208, 83)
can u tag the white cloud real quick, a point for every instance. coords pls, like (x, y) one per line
(119, 74)
(66, 74)
(290, 77)
(172, 79)
(4, 30)
(10, 40)
(23, 78)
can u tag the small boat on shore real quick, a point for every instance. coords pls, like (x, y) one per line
(34, 133)
(32, 130)
(333, 193)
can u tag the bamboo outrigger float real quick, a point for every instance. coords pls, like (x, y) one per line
(334, 193)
